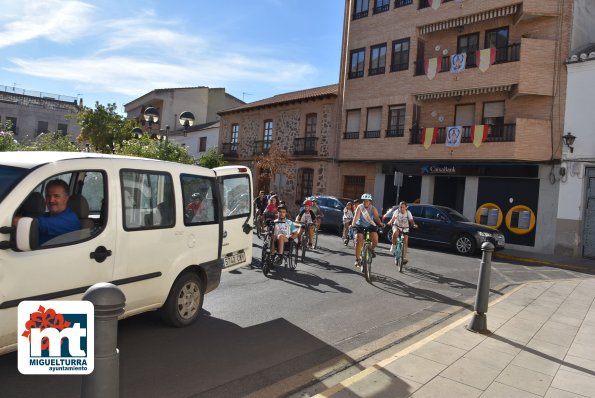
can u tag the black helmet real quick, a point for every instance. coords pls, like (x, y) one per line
(282, 206)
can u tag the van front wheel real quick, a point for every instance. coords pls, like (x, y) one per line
(184, 301)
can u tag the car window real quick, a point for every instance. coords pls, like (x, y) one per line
(148, 200)
(199, 204)
(431, 213)
(236, 196)
(455, 215)
(415, 211)
(337, 204)
(323, 202)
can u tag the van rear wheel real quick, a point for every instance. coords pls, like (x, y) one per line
(184, 302)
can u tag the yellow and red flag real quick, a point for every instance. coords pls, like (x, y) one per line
(428, 136)
(432, 66)
(479, 134)
(485, 58)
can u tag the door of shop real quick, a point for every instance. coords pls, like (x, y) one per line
(449, 192)
(589, 231)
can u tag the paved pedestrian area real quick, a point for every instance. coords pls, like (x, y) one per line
(541, 344)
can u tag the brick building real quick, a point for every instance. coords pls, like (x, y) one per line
(302, 125)
(401, 92)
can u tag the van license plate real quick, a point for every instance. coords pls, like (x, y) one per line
(234, 259)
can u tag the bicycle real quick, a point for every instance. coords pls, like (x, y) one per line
(350, 237)
(399, 252)
(290, 255)
(258, 227)
(315, 242)
(305, 237)
(366, 256)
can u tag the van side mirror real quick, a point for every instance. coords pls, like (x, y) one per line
(27, 234)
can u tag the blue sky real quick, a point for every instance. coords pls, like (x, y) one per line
(115, 51)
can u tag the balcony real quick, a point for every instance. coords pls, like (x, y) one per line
(522, 69)
(496, 133)
(372, 134)
(383, 8)
(400, 132)
(351, 135)
(426, 3)
(402, 3)
(262, 147)
(305, 146)
(229, 149)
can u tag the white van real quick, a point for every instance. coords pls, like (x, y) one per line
(139, 231)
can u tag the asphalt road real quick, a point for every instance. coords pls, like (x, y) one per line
(257, 331)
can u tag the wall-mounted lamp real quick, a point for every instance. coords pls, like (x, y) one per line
(569, 141)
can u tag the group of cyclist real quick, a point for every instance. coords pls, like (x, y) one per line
(360, 215)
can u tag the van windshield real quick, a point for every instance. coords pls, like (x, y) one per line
(9, 177)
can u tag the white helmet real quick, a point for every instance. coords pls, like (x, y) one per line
(366, 196)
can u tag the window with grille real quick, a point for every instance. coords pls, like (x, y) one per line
(235, 131)
(396, 121)
(268, 134)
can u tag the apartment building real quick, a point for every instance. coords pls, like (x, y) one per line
(33, 112)
(203, 102)
(465, 99)
(301, 125)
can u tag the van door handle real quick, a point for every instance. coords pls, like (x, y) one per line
(100, 254)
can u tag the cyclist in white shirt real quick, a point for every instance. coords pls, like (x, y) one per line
(305, 217)
(366, 218)
(283, 231)
(401, 219)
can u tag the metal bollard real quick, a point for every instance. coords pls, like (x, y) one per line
(479, 322)
(109, 303)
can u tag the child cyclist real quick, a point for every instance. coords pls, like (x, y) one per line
(401, 219)
(306, 217)
(347, 218)
(283, 231)
(366, 217)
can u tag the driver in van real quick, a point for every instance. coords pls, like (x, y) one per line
(59, 219)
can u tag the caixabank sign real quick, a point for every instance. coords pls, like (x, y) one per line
(55, 337)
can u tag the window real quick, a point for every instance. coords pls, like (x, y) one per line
(202, 144)
(236, 197)
(356, 67)
(268, 134)
(493, 114)
(148, 199)
(402, 3)
(42, 127)
(400, 58)
(468, 44)
(377, 59)
(353, 122)
(381, 6)
(235, 131)
(305, 183)
(13, 124)
(498, 38)
(465, 116)
(354, 186)
(373, 123)
(396, 121)
(360, 9)
(311, 120)
(200, 207)
(62, 129)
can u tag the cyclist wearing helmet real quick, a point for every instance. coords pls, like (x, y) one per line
(347, 219)
(366, 217)
(305, 217)
(317, 211)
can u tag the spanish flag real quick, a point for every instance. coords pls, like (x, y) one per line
(429, 136)
(485, 58)
(435, 3)
(479, 134)
(432, 66)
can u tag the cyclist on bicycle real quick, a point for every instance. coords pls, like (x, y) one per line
(307, 219)
(401, 219)
(260, 204)
(317, 211)
(366, 217)
(283, 230)
(270, 212)
(347, 219)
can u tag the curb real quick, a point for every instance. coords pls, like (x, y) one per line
(540, 262)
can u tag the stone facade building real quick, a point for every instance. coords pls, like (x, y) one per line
(301, 125)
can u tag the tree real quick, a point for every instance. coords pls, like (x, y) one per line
(7, 141)
(271, 164)
(147, 147)
(103, 127)
(211, 159)
(50, 142)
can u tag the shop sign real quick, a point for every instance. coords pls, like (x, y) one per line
(438, 170)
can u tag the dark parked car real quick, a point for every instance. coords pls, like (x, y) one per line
(447, 227)
(332, 208)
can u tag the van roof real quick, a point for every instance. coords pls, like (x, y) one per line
(30, 159)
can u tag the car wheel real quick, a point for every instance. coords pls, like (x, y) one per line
(465, 244)
(184, 301)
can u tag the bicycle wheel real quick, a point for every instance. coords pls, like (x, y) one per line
(266, 264)
(265, 249)
(294, 255)
(315, 243)
(259, 231)
(304, 244)
(368, 264)
(399, 255)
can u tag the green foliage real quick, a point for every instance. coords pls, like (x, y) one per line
(7, 142)
(211, 159)
(51, 142)
(147, 147)
(104, 128)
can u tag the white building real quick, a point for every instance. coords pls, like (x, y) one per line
(199, 138)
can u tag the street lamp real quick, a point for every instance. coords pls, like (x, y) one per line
(151, 115)
(569, 141)
(137, 132)
(186, 120)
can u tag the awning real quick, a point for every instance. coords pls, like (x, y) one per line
(469, 19)
(466, 91)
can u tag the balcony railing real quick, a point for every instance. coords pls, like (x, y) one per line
(262, 147)
(229, 149)
(372, 134)
(356, 74)
(426, 3)
(351, 135)
(510, 53)
(376, 71)
(361, 14)
(305, 146)
(395, 132)
(496, 133)
(382, 8)
(402, 3)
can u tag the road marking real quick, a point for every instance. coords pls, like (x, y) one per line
(503, 275)
(382, 364)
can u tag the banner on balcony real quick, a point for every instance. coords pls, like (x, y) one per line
(485, 58)
(428, 136)
(479, 134)
(435, 4)
(432, 67)
(453, 136)
(457, 62)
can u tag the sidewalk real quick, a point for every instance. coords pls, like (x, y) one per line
(566, 262)
(542, 345)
